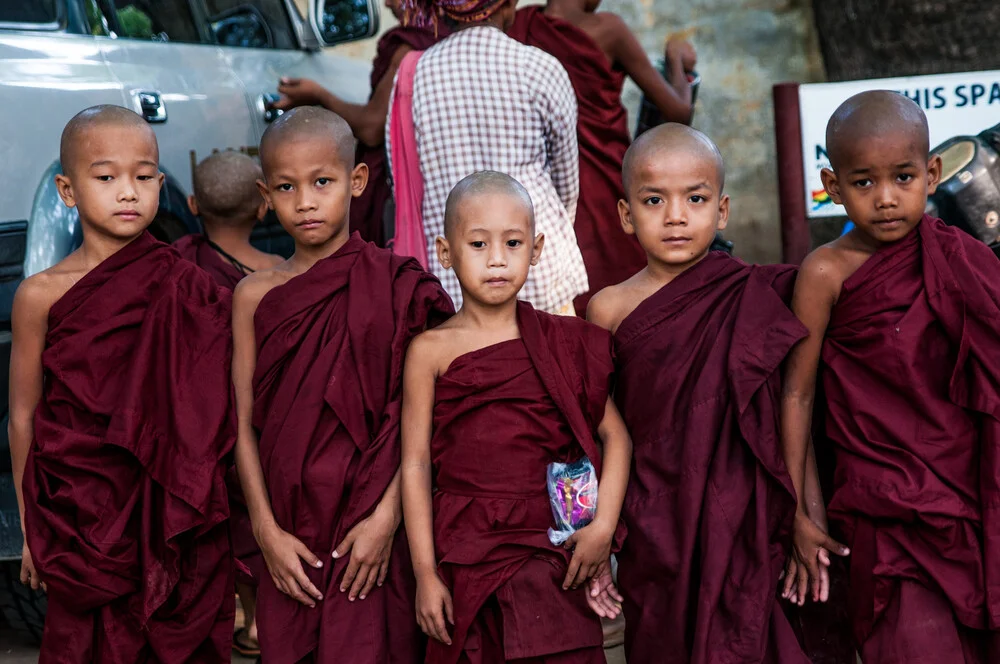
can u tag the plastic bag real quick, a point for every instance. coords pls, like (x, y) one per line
(573, 496)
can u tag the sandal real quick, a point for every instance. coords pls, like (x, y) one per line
(243, 645)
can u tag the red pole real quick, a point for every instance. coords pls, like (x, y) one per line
(795, 241)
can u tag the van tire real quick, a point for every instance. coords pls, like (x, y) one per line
(23, 607)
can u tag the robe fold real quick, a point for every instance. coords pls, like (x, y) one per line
(196, 248)
(327, 398)
(911, 375)
(609, 255)
(710, 504)
(501, 415)
(125, 502)
(367, 210)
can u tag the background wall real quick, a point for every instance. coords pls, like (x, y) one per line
(744, 47)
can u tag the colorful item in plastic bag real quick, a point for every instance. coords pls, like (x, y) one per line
(573, 495)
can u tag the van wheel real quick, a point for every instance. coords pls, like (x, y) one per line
(23, 607)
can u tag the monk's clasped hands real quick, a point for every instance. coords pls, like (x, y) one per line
(282, 553)
(808, 566)
(370, 544)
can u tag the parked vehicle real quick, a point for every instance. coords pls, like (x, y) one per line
(202, 73)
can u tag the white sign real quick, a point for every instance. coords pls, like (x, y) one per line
(955, 104)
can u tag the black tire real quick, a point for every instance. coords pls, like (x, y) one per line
(23, 607)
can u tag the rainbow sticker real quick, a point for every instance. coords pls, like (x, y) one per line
(820, 199)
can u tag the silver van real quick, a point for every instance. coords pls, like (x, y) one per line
(202, 73)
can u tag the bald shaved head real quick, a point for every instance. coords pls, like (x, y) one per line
(225, 186)
(95, 118)
(483, 183)
(876, 113)
(671, 138)
(310, 123)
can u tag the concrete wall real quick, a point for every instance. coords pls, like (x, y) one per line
(744, 47)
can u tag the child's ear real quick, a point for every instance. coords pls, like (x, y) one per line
(65, 189)
(261, 210)
(193, 205)
(831, 184)
(723, 213)
(934, 168)
(625, 215)
(443, 252)
(536, 249)
(359, 179)
(265, 193)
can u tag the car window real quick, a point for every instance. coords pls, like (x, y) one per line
(35, 11)
(256, 24)
(154, 20)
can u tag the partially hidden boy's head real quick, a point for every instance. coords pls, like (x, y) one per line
(225, 192)
(457, 13)
(674, 202)
(110, 171)
(489, 237)
(880, 171)
(307, 156)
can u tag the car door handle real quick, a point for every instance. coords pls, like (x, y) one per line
(266, 105)
(151, 106)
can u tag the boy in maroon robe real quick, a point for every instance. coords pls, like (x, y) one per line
(903, 315)
(318, 356)
(226, 198)
(119, 420)
(491, 397)
(368, 120)
(699, 339)
(598, 51)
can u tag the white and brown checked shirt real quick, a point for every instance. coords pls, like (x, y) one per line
(483, 101)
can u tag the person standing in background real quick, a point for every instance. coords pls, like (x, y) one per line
(483, 101)
(598, 51)
(368, 120)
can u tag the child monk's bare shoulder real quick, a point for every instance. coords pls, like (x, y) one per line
(39, 292)
(613, 304)
(828, 266)
(252, 288)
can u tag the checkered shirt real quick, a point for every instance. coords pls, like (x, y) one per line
(483, 101)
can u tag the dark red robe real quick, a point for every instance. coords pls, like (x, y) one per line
(327, 398)
(911, 375)
(125, 502)
(367, 209)
(501, 415)
(609, 254)
(195, 248)
(710, 504)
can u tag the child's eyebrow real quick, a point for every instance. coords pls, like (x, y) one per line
(704, 184)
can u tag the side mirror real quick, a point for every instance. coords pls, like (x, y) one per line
(339, 21)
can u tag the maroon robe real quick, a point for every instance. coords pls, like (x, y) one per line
(195, 248)
(367, 210)
(125, 503)
(501, 415)
(609, 255)
(327, 398)
(911, 375)
(710, 504)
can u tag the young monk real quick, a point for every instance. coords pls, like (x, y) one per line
(598, 51)
(318, 356)
(903, 314)
(119, 420)
(699, 339)
(491, 397)
(226, 198)
(229, 204)
(368, 120)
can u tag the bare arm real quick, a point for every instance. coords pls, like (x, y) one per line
(281, 550)
(434, 603)
(816, 290)
(367, 120)
(672, 99)
(592, 543)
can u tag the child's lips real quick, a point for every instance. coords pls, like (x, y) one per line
(127, 215)
(309, 224)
